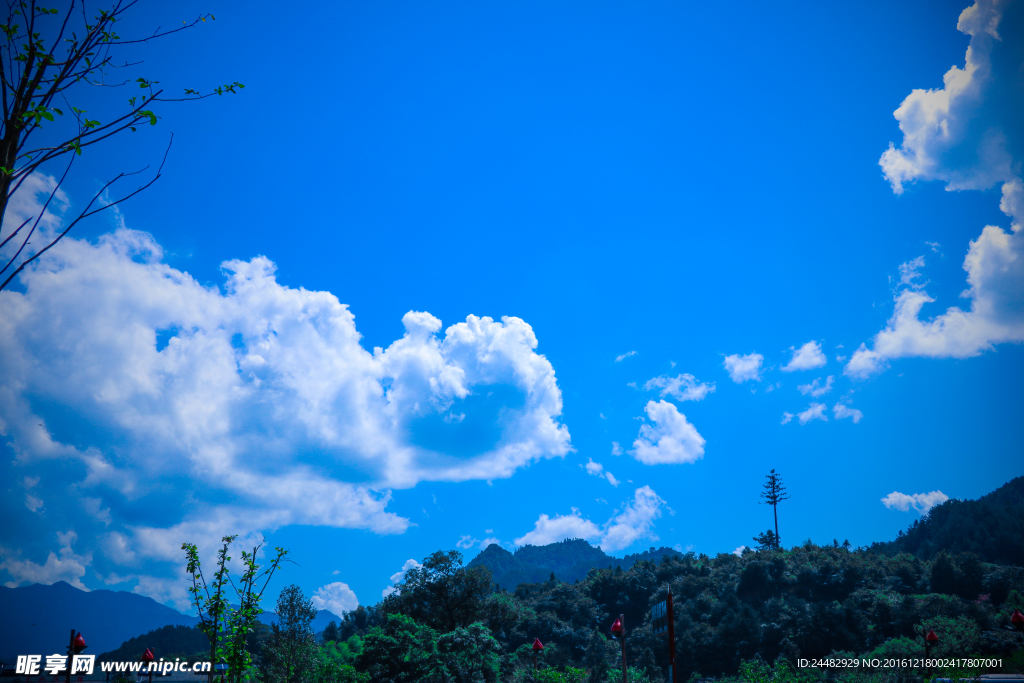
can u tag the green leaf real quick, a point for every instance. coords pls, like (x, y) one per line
(58, 111)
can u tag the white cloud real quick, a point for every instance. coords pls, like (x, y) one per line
(553, 529)
(257, 401)
(669, 438)
(63, 565)
(739, 551)
(335, 597)
(597, 469)
(169, 590)
(910, 272)
(616, 448)
(469, 542)
(841, 410)
(965, 135)
(399, 576)
(922, 502)
(634, 522)
(624, 356)
(815, 411)
(807, 357)
(683, 387)
(816, 389)
(744, 368)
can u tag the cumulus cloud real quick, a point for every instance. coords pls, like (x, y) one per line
(841, 411)
(256, 402)
(815, 411)
(616, 448)
(684, 387)
(815, 388)
(744, 368)
(63, 565)
(668, 438)
(335, 597)
(922, 502)
(966, 134)
(624, 356)
(739, 551)
(634, 522)
(596, 469)
(807, 357)
(399, 576)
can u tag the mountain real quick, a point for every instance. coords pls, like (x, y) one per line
(168, 642)
(992, 527)
(569, 561)
(323, 617)
(37, 619)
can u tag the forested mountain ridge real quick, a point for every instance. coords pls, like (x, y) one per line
(992, 527)
(774, 605)
(569, 560)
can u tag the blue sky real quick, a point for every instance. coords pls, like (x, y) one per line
(667, 242)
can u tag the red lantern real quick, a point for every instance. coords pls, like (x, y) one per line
(1017, 619)
(537, 645)
(79, 643)
(931, 638)
(147, 656)
(617, 627)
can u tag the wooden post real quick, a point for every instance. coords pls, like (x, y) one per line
(671, 640)
(622, 620)
(71, 656)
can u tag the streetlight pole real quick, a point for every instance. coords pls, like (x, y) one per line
(537, 647)
(671, 639)
(75, 646)
(619, 629)
(929, 640)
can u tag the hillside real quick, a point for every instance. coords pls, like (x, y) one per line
(38, 618)
(168, 642)
(569, 561)
(992, 527)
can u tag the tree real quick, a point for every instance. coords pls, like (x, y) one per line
(38, 73)
(766, 541)
(442, 593)
(400, 651)
(290, 655)
(773, 494)
(469, 655)
(226, 627)
(331, 632)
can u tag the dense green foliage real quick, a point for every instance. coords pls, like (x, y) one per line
(749, 617)
(991, 527)
(732, 613)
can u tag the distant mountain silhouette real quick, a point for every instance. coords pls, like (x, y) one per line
(992, 527)
(568, 560)
(37, 619)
